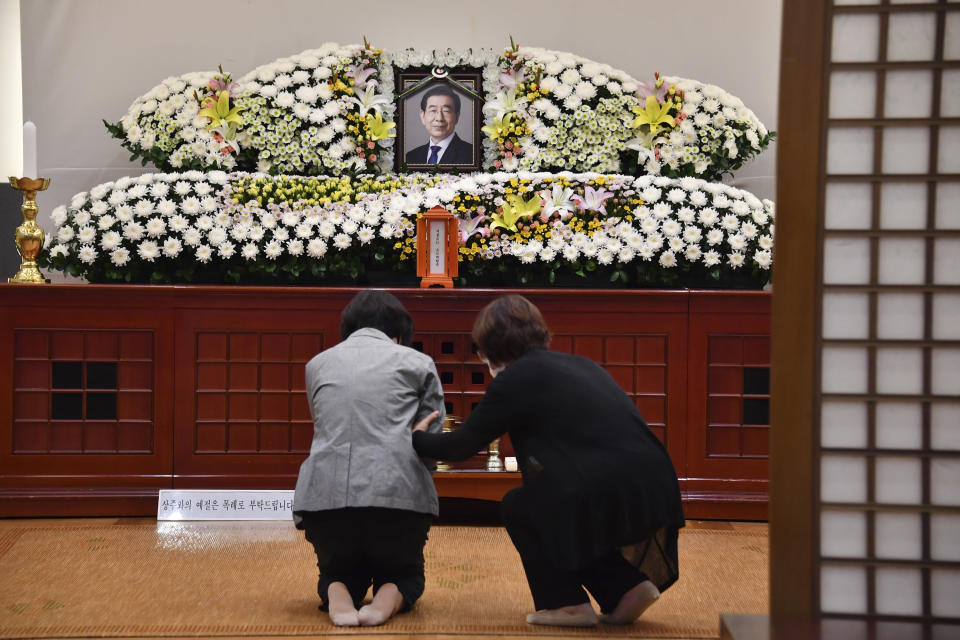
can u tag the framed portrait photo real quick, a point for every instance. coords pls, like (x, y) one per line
(439, 115)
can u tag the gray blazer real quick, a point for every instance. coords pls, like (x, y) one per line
(365, 395)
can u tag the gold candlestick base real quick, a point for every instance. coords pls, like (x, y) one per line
(494, 463)
(449, 423)
(29, 236)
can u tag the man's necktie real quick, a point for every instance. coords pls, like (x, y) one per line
(434, 153)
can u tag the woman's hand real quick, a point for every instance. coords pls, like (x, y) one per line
(423, 424)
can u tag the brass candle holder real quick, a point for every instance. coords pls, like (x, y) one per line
(29, 236)
(494, 463)
(449, 422)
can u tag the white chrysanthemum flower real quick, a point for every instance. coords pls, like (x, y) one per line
(349, 226)
(671, 228)
(686, 215)
(133, 230)
(760, 217)
(204, 253)
(711, 258)
(295, 247)
(179, 223)
(661, 210)
(110, 241)
(571, 102)
(341, 241)
(190, 206)
(156, 227)
(159, 189)
(708, 217)
(148, 250)
(143, 208)
(239, 232)
(172, 247)
(668, 259)
(59, 215)
(714, 237)
(204, 223)
(166, 207)
(201, 188)
(120, 256)
(649, 224)
(182, 187)
(78, 201)
(365, 235)
(675, 244)
(226, 250)
(273, 250)
(281, 234)
(570, 253)
(100, 207)
(650, 195)
(676, 196)
(765, 242)
(730, 222)
(86, 235)
(585, 90)
(192, 237)
(692, 234)
(316, 248)
(209, 204)
(249, 251)
(87, 254)
(217, 236)
(692, 252)
(748, 230)
(735, 259)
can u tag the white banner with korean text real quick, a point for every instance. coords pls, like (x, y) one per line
(225, 504)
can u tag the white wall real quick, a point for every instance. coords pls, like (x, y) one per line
(11, 96)
(87, 60)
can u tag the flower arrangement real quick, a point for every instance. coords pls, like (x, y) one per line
(516, 228)
(320, 111)
(329, 111)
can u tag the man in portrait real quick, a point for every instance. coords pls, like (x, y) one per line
(440, 113)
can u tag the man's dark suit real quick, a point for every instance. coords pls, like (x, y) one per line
(458, 152)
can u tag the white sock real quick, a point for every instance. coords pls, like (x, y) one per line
(340, 606)
(386, 602)
(632, 604)
(580, 615)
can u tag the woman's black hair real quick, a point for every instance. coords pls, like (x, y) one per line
(378, 310)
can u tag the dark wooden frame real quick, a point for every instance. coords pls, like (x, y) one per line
(459, 74)
(795, 504)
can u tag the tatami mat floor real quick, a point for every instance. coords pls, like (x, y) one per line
(137, 578)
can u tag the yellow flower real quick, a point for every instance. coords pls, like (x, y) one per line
(654, 115)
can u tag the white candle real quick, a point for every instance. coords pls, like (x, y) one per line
(30, 150)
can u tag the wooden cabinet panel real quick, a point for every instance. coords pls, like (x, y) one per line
(116, 391)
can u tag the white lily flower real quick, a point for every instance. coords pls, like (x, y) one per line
(370, 100)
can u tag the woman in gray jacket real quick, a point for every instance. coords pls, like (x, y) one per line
(364, 499)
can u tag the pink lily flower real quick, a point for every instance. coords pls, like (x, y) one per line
(470, 226)
(592, 199)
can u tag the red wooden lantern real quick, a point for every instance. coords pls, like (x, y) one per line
(438, 245)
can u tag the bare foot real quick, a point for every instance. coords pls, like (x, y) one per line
(340, 606)
(579, 615)
(633, 603)
(386, 602)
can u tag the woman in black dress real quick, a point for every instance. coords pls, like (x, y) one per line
(600, 503)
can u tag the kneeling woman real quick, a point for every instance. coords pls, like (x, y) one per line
(600, 503)
(363, 497)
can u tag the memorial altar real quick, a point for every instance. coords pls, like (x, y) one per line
(180, 362)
